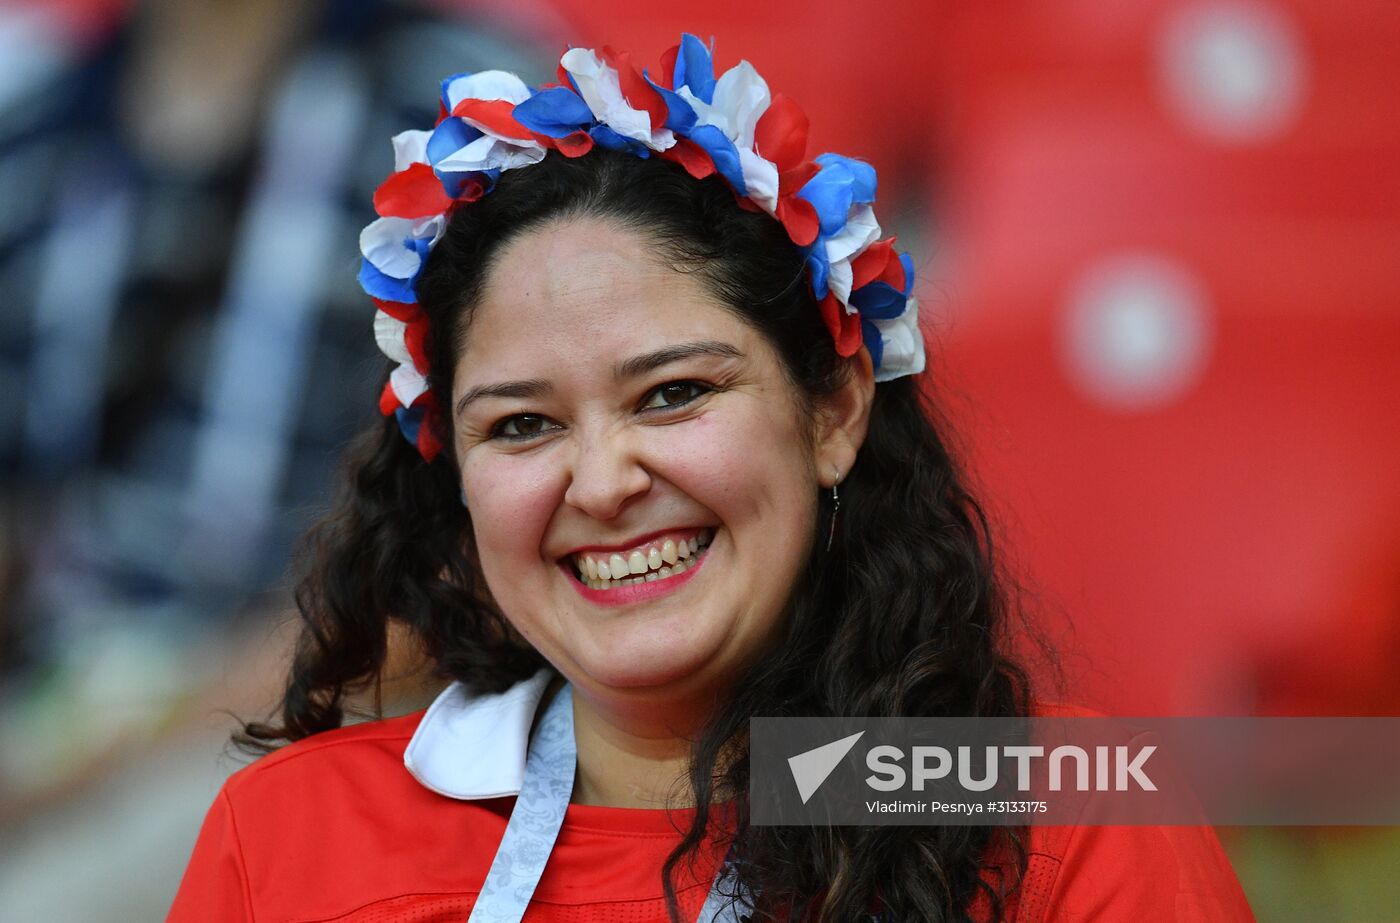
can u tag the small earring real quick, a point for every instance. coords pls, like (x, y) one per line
(464, 498)
(835, 508)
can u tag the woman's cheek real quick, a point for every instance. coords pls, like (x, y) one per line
(511, 498)
(738, 457)
(697, 454)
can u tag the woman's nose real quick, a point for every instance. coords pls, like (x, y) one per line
(607, 472)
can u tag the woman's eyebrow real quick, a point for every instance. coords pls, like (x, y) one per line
(646, 362)
(627, 368)
(530, 387)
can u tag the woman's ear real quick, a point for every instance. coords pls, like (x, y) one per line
(843, 419)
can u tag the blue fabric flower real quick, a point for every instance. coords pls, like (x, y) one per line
(606, 137)
(870, 336)
(410, 419)
(385, 287)
(722, 151)
(556, 112)
(818, 266)
(695, 69)
(449, 137)
(862, 174)
(442, 95)
(680, 116)
(841, 183)
(878, 300)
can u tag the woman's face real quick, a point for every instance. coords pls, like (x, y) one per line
(608, 412)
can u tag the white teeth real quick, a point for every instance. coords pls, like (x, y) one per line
(643, 566)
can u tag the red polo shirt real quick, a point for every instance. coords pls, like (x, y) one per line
(336, 828)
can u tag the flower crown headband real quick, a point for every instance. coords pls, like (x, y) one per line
(491, 121)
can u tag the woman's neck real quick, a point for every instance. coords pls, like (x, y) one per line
(633, 757)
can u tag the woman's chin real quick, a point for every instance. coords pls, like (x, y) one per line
(647, 666)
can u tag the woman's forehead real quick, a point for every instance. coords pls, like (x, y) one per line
(584, 259)
(586, 290)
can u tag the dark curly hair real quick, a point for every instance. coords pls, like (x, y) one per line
(906, 615)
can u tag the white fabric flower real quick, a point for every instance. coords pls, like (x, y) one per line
(861, 231)
(903, 344)
(741, 94)
(487, 85)
(383, 243)
(389, 334)
(740, 99)
(760, 179)
(600, 88)
(410, 147)
(492, 153)
(408, 385)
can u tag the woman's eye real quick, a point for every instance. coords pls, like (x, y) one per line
(674, 394)
(521, 426)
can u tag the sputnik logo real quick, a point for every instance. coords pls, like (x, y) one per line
(811, 768)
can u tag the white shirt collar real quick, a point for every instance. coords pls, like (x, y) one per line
(469, 747)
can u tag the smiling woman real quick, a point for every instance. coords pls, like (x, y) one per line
(667, 468)
(676, 422)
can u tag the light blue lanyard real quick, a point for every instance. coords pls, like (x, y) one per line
(539, 813)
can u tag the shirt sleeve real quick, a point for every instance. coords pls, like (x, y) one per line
(215, 885)
(1143, 875)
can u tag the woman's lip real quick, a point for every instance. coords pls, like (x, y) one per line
(636, 592)
(636, 544)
